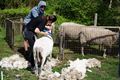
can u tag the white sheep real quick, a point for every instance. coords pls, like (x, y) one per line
(42, 49)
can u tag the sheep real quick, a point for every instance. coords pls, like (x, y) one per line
(42, 49)
(100, 36)
(86, 35)
(72, 32)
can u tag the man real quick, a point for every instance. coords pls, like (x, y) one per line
(37, 27)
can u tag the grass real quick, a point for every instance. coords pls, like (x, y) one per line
(108, 71)
(4, 48)
(5, 51)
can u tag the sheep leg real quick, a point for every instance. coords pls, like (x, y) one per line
(82, 42)
(38, 58)
(49, 57)
(82, 51)
(41, 67)
(104, 53)
(61, 46)
(35, 60)
(118, 55)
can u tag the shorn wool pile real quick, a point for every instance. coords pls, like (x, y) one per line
(14, 62)
(75, 70)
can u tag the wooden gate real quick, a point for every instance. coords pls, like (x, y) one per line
(13, 30)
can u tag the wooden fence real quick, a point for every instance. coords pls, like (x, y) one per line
(75, 45)
(13, 29)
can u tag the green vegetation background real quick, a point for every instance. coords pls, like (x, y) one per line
(81, 11)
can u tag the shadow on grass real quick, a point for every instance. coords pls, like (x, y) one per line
(21, 50)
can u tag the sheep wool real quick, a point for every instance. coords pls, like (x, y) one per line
(14, 62)
(42, 47)
(87, 35)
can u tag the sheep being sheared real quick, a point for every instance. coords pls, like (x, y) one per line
(42, 49)
(86, 35)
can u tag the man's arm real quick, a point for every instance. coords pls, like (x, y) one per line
(40, 32)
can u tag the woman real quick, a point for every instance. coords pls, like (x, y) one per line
(36, 27)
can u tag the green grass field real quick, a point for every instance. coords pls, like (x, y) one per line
(108, 70)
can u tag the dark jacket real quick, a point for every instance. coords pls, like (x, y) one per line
(38, 22)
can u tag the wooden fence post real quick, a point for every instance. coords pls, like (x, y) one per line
(13, 34)
(1, 75)
(119, 54)
(95, 19)
(21, 24)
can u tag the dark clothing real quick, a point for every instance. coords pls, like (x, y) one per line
(37, 22)
(29, 34)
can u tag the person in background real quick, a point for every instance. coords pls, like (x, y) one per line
(40, 25)
(35, 12)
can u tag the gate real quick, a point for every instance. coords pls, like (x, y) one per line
(13, 31)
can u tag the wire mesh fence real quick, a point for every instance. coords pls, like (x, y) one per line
(98, 44)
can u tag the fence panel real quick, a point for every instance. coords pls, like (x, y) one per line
(13, 31)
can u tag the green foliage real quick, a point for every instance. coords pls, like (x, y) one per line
(106, 18)
(109, 16)
(19, 11)
(4, 49)
(24, 74)
(8, 13)
(82, 10)
(17, 3)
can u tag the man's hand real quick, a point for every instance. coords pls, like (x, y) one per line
(37, 30)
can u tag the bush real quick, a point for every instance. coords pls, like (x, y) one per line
(8, 13)
(81, 10)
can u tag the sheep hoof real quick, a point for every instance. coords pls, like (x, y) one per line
(104, 55)
(83, 54)
(118, 55)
